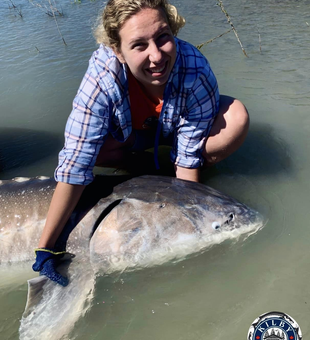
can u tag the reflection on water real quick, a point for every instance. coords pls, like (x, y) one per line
(219, 293)
(21, 147)
(262, 145)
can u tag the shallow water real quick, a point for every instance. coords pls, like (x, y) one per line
(220, 292)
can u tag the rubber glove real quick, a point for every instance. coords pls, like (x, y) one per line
(46, 262)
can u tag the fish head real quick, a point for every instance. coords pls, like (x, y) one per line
(224, 214)
(138, 233)
(240, 217)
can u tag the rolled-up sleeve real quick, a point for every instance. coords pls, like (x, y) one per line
(86, 129)
(202, 105)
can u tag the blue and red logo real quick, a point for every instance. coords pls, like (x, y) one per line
(274, 326)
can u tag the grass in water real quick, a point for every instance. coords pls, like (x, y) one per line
(19, 11)
(220, 4)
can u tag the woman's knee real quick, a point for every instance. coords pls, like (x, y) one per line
(234, 113)
(240, 115)
(228, 131)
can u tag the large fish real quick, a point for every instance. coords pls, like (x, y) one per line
(145, 221)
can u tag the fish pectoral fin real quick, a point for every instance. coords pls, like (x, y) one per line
(35, 292)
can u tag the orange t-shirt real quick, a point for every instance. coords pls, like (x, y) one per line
(141, 106)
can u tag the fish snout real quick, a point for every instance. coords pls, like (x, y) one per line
(242, 220)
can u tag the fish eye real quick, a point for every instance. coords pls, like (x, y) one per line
(216, 225)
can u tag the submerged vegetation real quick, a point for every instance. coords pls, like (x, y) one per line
(48, 8)
(220, 4)
(52, 9)
(80, 1)
(19, 11)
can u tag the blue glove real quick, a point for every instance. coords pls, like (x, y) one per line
(46, 262)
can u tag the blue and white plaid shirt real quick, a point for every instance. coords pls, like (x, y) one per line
(101, 106)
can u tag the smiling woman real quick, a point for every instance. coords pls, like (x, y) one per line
(143, 87)
(148, 49)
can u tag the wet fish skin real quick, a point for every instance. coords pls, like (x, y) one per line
(24, 203)
(142, 222)
(159, 219)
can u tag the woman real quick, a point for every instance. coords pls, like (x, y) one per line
(143, 87)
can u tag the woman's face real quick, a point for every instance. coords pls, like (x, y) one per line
(148, 48)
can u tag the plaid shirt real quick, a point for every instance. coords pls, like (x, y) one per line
(101, 106)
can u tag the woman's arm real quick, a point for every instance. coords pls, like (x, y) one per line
(187, 174)
(65, 198)
(195, 123)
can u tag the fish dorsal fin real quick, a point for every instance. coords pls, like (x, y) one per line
(35, 292)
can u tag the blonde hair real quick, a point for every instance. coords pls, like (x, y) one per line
(117, 12)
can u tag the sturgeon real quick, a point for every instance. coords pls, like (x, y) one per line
(142, 222)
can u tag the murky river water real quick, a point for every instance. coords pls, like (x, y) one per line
(218, 294)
